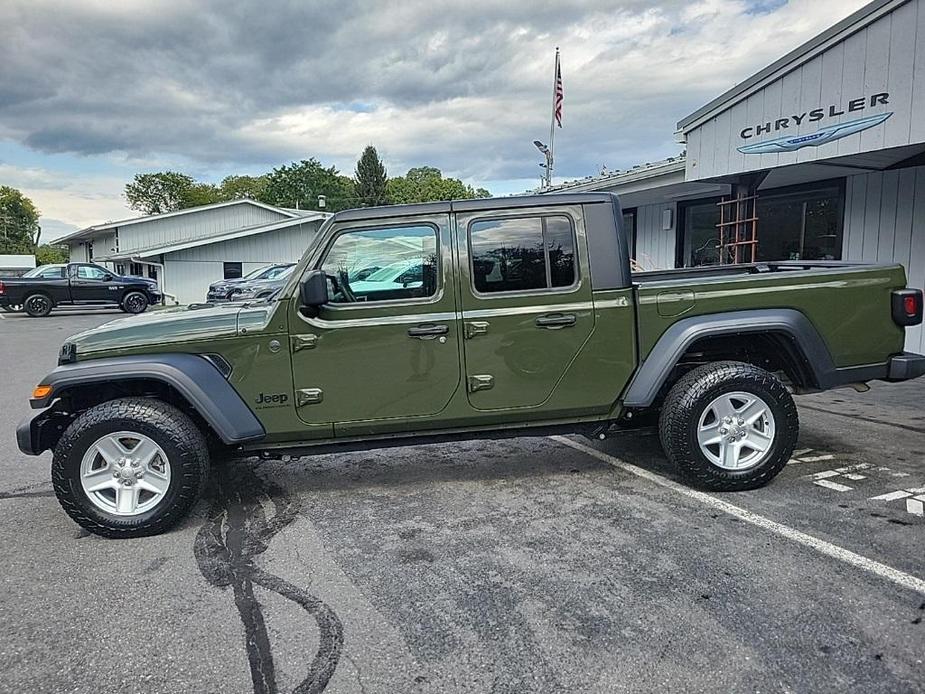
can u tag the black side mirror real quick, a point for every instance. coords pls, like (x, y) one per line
(108, 278)
(313, 289)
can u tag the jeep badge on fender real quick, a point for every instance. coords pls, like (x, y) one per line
(271, 399)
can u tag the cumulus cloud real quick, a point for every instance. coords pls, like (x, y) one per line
(466, 86)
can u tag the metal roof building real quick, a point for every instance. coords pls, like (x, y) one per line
(189, 249)
(820, 155)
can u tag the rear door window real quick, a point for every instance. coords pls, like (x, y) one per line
(522, 254)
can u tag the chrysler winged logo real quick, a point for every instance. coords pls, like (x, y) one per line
(822, 136)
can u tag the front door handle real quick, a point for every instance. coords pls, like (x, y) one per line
(556, 320)
(428, 331)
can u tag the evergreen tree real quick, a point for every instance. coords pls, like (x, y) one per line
(371, 179)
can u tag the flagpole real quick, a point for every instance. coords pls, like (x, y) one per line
(552, 122)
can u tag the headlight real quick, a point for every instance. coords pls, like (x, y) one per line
(243, 294)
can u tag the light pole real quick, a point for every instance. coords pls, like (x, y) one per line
(548, 165)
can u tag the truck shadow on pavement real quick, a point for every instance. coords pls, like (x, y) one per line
(236, 532)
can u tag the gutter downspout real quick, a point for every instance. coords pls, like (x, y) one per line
(162, 274)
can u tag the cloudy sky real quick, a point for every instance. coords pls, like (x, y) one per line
(93, 91)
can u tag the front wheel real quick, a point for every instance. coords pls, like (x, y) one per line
(130, 467)
(134, 302)
(729, 426)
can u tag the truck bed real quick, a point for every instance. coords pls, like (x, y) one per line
(847, 303)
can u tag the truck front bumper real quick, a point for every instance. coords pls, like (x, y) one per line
(41, 431)
(905, 366)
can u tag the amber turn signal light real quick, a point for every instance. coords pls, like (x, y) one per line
(41, 392)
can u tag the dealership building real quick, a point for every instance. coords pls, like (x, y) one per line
(819, 156)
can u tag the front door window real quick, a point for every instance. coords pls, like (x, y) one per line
(392, 264)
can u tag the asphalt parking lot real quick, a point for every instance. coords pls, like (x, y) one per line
(529, 565)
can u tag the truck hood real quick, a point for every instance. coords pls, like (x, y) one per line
(166, 327)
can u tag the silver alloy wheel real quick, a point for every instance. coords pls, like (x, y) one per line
(736, 431)
(125, 473)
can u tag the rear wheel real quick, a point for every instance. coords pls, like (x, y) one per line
(134, 302)
(729, 426)
(37, 305)
(130, 467)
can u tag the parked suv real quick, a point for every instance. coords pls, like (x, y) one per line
(77, 284)
(224, 290)
(523, 321)
(261, 288)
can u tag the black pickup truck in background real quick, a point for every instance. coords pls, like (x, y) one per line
(42, 289)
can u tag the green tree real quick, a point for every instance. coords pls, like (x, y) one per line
(238, 187)
(427, 184)
(19, 222)
(48, 253)
(299, 185)
(371, 179)
(156, 193)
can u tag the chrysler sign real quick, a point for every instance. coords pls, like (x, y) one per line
(824, 134)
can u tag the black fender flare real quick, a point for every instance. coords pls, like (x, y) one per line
(195, 377)
(670, 347)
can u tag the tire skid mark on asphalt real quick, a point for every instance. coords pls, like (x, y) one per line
(237, 531)
(28, 492)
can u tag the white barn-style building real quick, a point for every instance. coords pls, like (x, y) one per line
(187, 250)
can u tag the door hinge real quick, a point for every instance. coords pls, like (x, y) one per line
(481, 382)
(308, 396)
(476, 327)
(300, 342)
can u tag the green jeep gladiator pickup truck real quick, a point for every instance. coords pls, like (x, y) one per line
(510, 317)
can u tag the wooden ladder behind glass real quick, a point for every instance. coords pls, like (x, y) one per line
(738, 230)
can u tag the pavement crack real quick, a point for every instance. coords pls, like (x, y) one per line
(237, 530)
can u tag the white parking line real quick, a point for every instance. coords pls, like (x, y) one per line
(833, 485)
(882, 570)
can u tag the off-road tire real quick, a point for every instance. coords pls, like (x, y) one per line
(134, 302)
(183, 443)
(692, 394)
(37, 305)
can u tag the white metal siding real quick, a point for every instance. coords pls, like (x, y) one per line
(655, 247)
(885, 223)
(194, 225)
(886, 56)
(188, 273)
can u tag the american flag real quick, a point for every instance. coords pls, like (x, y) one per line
(557, 104)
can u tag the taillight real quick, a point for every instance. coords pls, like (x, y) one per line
(2, 288)
(907, 306)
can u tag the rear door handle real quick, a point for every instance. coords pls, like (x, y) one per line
(428, 331)
(556, 320)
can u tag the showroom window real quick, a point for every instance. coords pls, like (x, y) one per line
(522, 254)
(232, 271)
(629, 230)
(793, 224)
